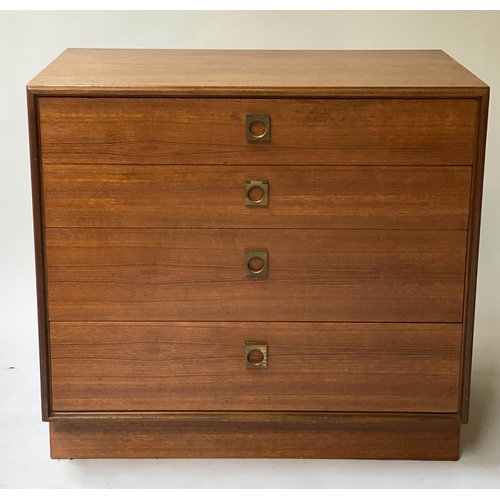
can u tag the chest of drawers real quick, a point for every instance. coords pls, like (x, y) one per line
(256, 253)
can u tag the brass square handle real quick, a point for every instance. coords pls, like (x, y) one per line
(255, 355)
(256, 263)
(258, 127)
(256, 193)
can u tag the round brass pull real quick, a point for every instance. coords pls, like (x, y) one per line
(256, 193)
(256, 263)
(258, 127)
(255, 355)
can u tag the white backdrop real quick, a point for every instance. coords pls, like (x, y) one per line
(31, 40)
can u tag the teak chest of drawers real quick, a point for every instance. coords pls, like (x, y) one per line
(256, 253)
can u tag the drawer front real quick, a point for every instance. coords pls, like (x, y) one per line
(310, 367)
(297, 196)
(311, 275)
(214, 131)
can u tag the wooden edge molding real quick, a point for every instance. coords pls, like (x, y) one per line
(261, 92)
(40, 263)
(253, 436)
(473, 254)
(67, 416)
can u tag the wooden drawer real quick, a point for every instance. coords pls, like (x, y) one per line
(201, 196)
(213, 131)
(310, 367)
(313, 275)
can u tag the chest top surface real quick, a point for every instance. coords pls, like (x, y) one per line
(256, 72)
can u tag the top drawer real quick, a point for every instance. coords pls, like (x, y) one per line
(214, 131)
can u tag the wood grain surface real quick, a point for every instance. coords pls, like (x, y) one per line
(473, 254)
(40, 263)
(213, 131)
(314, 275)
(200, 366)
(284, 436)
(203, 196)
(255, 72)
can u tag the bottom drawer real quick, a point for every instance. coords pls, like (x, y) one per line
(201, 366)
